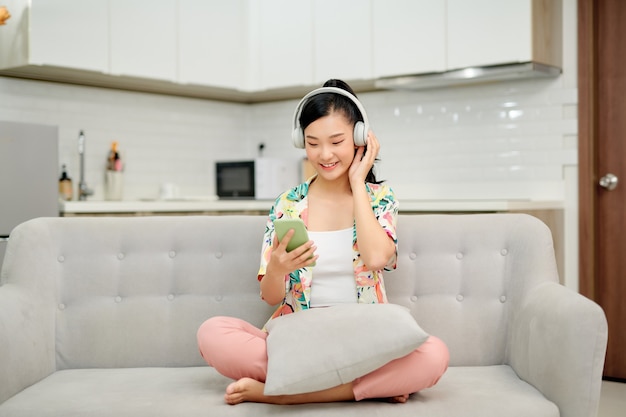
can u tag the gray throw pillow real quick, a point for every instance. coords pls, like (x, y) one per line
(322, 348)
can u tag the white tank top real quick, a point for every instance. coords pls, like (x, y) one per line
(333, 275)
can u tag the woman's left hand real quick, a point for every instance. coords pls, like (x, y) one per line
(364, 159)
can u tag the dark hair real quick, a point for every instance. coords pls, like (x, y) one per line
(324, 104)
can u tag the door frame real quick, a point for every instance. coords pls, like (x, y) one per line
(587, 147)
(597, 211)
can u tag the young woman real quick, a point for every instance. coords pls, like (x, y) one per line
(351, 220)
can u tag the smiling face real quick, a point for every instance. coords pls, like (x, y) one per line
(330, 146)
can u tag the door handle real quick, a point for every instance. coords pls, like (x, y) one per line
(609, 182)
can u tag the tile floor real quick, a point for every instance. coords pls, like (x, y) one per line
(612, 399)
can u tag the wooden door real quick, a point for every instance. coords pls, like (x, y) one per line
(602, 150)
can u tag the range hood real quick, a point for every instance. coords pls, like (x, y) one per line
(467, 76)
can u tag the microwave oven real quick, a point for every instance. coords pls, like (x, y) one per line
(260, 178)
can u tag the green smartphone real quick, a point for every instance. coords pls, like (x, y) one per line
(300, 237)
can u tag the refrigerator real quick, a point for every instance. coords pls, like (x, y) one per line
(28, 175)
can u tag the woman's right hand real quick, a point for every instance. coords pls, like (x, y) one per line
(283, 262)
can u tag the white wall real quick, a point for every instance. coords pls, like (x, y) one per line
(496, 141)
(161, 138)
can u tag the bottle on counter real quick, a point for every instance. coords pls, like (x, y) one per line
(114, 161)
(113, 180)
(66, 190)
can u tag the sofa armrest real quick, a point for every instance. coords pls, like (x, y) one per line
(26, 340)
(557, 343)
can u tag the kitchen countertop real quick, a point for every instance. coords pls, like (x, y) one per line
(213, 205)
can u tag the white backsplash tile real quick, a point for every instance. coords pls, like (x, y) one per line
(494, 141)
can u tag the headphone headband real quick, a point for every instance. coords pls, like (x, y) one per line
(360, 128)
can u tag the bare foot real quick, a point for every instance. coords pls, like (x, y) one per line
(251, 390)
(246, 390)
(399, 399)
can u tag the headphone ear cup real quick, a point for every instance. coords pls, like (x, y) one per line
(360, 134)
(298, 138)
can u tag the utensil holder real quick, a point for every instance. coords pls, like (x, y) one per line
(113, 185)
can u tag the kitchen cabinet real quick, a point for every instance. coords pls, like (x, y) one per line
(409, 37)
(282, 38)
(342, 40)
(144, 37)
(67, 33)
(55, 34)
(252, 50)
(490, 32)
(212, 45)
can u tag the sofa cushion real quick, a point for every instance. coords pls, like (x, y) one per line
(487, 391)
(325, 347)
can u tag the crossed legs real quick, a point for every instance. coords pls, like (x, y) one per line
(237, 349)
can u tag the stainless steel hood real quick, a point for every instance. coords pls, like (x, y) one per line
(468, 76)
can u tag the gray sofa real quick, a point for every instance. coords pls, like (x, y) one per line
(98, 317)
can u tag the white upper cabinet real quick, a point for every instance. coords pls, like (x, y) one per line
(409, 36)
(144, 38)
(212, 42)
(488, 32)
(271, 48)
(342, 40)
(69, 33)
(283, 40)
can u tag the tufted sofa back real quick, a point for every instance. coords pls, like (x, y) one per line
(464, 276)
(131, 292)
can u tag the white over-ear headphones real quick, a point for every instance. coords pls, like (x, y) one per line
(360, 128)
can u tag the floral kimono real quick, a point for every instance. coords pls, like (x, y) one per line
(369, 284)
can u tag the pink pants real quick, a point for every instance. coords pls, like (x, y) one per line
(237, 349)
